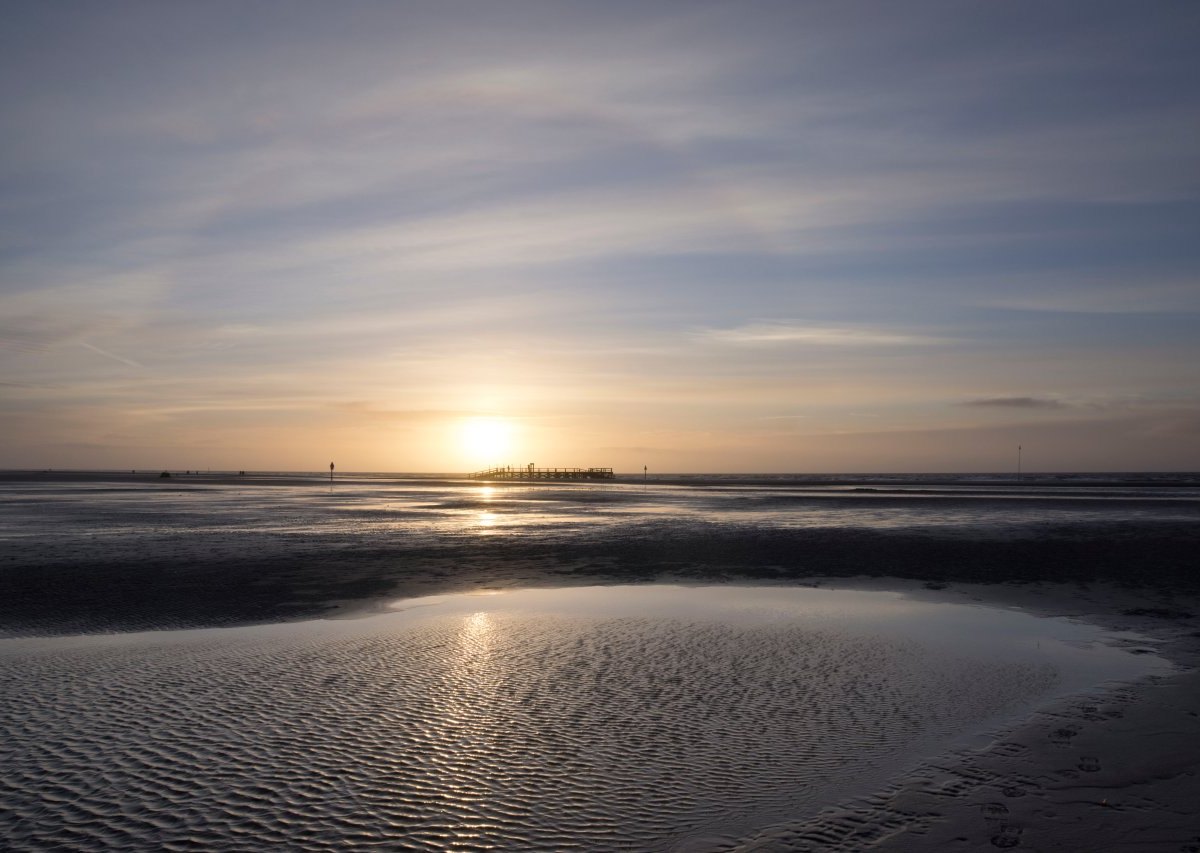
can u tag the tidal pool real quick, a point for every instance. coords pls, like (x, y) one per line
(596, 718)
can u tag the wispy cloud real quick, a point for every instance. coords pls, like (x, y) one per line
(1016, 403)
(786, 332)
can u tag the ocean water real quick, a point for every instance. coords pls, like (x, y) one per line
(99, 519)
(644, 717)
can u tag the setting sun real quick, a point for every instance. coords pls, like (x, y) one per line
(486, 441)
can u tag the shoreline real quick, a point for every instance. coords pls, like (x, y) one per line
(1112, 770)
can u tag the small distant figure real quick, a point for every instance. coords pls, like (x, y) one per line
(164, 474)
(331, 472)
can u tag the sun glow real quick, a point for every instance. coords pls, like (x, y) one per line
(486, 441)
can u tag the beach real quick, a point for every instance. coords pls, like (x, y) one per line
(1113, 770)
(134, 566)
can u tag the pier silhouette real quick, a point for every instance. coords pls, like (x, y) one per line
(530, 472)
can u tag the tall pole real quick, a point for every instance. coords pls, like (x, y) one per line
(1018, 462)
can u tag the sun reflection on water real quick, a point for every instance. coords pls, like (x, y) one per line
(469, 722)
(477, 626)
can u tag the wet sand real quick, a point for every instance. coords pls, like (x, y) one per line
(226, 584)
(132, 570)
(1116, 772)
(309, 734)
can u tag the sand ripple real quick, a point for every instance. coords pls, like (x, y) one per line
(485, 731)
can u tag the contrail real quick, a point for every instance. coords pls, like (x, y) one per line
(113, 356)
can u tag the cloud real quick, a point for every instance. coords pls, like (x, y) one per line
(787, 332)
(1016, 403)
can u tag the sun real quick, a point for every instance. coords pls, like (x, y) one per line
(486, 441)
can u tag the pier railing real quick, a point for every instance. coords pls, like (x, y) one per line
(531, 473)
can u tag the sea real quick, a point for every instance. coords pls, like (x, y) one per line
(227, 661)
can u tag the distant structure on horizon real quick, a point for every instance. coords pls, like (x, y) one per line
(532, 472)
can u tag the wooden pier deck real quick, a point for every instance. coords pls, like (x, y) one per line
(531, 473)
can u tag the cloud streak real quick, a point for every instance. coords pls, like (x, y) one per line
(795, 333)
(1015, 403)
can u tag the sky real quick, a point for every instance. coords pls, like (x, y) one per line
(715, 237)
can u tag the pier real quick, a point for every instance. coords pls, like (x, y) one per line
(529, 472)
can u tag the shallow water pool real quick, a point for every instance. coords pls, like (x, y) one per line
(596, 718)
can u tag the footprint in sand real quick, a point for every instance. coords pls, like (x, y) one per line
(1062, 737)
(1012, 791)
(1088, 764)
(1008, 836)
(994, 812)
